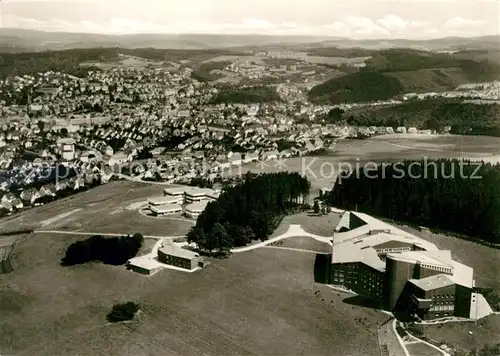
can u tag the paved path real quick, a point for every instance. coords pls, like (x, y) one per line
(293, 231)
(297, 249)
(81, 233)
(389, 341)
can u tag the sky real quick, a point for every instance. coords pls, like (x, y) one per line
(359, 19)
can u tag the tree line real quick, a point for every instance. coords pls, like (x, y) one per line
(450, 195)
(250, 210)
(356, 87)
(113, 251)
(67, 61)
(433, 114)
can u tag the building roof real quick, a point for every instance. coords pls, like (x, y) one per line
(145, 262)
(433, 282)
(174, 250)
(460, 274)
(358, 245)
(174, 190)
(165, 208)
(195, 191)
(161, 200)
(440, 258)
(197, 207)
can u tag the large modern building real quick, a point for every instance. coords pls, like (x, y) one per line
(403, 272)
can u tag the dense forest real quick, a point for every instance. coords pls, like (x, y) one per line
(113, 251)
(434, 114)
(248, 211)
(246, 95)
(67, 61)
(396, 60)
(356, 87)
(442, 194)
(203, 72)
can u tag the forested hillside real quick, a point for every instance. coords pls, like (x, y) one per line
(408, 69)
(451, 195)
(434, 114)
(356, 87)
(67, 61)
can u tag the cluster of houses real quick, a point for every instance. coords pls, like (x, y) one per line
(11, 201)
(121, 115)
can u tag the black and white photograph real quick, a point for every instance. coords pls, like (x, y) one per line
(235, 178)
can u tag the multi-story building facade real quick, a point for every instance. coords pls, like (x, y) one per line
(401, 271)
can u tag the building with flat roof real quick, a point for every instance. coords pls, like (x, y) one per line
(144, 265)
(177, 256)
(401, 271)
(165, 209)
(194, 210)
(191, 194)
(165, 199)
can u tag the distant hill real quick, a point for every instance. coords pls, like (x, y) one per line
(12, 39)
(414, 70)
(440, 44)
(15, 40)
(464, 118)
(356, 87)
(69, 61)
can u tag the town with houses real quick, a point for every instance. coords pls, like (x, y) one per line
(87, 131)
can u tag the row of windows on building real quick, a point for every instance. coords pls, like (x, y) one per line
(437, 268)
(394, 249)
(440, 308)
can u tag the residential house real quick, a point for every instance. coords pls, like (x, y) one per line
(66, 148)
(29, 196)
(250, 157)
(268, 155)
(235, 159)
(17, 203)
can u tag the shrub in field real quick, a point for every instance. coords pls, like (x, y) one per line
(122, 312)
(113, 251)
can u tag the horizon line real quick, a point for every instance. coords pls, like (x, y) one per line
(247, 34)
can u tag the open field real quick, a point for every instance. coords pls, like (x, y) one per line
(298, 57)
(485, 332)
(322, 171)
(258, 302)
(126, 61)
(102, 209)
(421, 349)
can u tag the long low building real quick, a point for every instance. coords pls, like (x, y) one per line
(403, 272)
(144, 265)
(177, 256)
(162, 200)
(194, 210)
(191, 194)
(165, 209)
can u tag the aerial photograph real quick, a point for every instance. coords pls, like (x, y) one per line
(226, 178)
